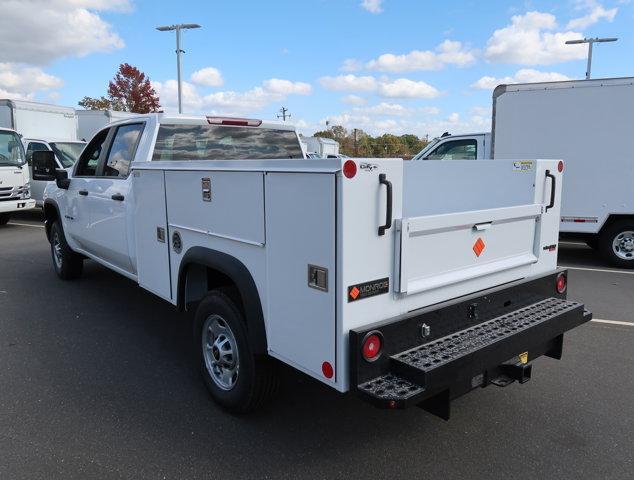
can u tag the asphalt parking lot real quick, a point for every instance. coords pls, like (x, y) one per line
(97, 381)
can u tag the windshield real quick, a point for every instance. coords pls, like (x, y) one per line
(11, 151)
(67, 152)
(423, 153)
(210, 142)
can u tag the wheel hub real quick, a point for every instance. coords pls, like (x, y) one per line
(220, 352)
(623, 245)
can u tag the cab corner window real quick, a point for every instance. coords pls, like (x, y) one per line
(89, 160)
(122, 151)
(455, 150)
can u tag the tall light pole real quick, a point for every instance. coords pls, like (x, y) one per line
(178, 28)
(590, 42)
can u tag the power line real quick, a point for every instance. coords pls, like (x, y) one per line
(285, 114)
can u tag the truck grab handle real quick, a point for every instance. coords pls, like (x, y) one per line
(388, 210)
(552, 190)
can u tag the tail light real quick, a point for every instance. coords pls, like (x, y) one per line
(372, 346)
(561, 283)
(560, 166)
(349, 168)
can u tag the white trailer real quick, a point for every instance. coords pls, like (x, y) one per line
(588, 124)
(39, 120)
(351, 271)
(89, 122)
(322, 146)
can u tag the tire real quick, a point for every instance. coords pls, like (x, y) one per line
(616, 244)
(67, 264)
(238, 380)
(4, 218)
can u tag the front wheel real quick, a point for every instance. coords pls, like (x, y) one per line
(617, 244)
(4, 218)
(237, 379)
(67, 264)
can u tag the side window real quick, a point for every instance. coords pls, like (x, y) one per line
(89, 160)
(455, 150)
(122, 151)
(33, 147)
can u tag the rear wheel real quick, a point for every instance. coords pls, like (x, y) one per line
(4, 218)
(237, 379)
(67, 264)
(616, 244)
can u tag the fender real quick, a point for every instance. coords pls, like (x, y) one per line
(241, 277)
(48, 204)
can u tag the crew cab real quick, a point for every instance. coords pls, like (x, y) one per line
(15, 193)
(409, 283)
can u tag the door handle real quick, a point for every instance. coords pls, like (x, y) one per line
(553, 187)
(118, 197)
(83, 192)
(388, 208)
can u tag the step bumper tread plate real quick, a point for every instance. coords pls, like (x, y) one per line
(427, 369)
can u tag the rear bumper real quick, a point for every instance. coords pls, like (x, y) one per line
(473, 342)
(16, 205)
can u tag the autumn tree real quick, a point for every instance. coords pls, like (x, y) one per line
(130, 90)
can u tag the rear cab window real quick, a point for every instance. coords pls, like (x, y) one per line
(221, 142)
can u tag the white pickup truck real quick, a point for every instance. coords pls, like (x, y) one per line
(588, 124)
(15, 193)
(410, 283)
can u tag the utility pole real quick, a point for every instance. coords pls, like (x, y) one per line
(178, 28)
(356, 151)
(285, 114)
(590, 42)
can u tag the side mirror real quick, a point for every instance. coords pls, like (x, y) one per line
(61, 179)
(44, 165)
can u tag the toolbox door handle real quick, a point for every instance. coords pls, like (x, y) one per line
(552, 190)
(388, 209)
(480, 227)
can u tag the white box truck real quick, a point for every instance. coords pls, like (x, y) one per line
(410, 283)
(90, 122)
(15, 193)
(588, 124)
(39, 120)
(322, 146)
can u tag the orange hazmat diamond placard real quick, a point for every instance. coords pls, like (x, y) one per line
(354, 293)
(478, 247)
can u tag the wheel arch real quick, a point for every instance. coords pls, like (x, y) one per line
(614, 218)
(51, 214)
(222, 270)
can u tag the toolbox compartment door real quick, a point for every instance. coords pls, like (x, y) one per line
(440, 250)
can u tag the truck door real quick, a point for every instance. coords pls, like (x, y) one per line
(37, 186)
(109, 199)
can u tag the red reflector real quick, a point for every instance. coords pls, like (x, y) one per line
(349, 169)
(560, 166)
(327, 370)
(562, 283)
(371, 347)
(237, 122)
(579, 220)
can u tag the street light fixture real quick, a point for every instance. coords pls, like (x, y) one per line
(178, 28)
(590, 42)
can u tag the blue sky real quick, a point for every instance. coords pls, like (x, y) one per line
(394, 66)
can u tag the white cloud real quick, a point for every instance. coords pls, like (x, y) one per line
(598, 13)
(525, 75)
(208, 77)
(40, 31)
(405, 88)
(480, 110)
(430, 110)
(399, 88)
(532, 39)
(21, 81)
(349, 83)
(384, 108)
(229, 102)
(372, 6)
(351, 65)
(448, 52)
(354, 100)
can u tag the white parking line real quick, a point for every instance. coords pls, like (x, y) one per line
(605, 270)
(25, 225)
(613, 322)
